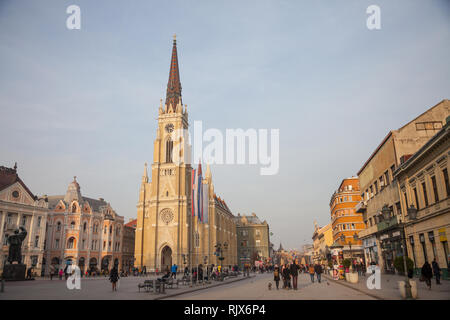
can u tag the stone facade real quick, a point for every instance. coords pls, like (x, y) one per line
(129, 235)
(83, 231)
(424, 179)
(19, 207)
(382, 237)
(252, 240)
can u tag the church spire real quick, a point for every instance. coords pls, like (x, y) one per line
(173, 95)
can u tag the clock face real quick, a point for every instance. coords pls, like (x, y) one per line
(169, 127)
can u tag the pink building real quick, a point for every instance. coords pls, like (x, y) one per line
(82, 231)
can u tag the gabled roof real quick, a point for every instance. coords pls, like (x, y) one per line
(9, 176)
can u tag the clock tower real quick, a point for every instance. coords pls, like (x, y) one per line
(163, 219)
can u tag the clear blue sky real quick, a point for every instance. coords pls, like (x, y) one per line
(84, 102)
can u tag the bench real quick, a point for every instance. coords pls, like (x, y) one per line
(146, 285)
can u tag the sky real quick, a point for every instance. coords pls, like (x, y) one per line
(85, 102)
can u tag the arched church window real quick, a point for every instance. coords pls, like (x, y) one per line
(169, 150)
(74, 208)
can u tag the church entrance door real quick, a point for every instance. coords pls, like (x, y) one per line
(166, 258)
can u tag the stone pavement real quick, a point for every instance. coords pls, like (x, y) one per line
(257, 289)
(390, 291)
(95, 288)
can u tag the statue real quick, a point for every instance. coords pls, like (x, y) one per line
(15, 245)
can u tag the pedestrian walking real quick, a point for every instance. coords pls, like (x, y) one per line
(427, 274)
(61, 272)
(294, 273)
(173, 269)
(436, 271)
(311, 272)
(286, 277)
(318, 270)
(276, 275)
(114, 277)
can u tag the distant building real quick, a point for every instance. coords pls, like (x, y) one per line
(322, 241)
(19, 207)
(129, 231)
(345, 221)
(83, 231)
(252, 240)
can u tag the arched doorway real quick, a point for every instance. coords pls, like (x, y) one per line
(105, 263)
(166, 258)
(92, 265)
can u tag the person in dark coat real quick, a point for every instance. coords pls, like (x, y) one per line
(436, 271)
(276, 275)
(294, 273)
(427, 273)
(114, 277)
(318, 270)
(286, 277)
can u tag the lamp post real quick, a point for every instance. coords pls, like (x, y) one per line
(412, 214)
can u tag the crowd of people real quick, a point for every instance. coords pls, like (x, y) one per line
(289, 272)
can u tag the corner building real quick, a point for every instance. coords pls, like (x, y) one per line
(166, 232)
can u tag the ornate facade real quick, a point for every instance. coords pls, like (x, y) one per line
(19, 207)
(84, 231)
(166, 232)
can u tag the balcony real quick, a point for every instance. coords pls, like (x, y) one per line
(387, 224)
(361, 207)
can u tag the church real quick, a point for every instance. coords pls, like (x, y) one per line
(167, 231)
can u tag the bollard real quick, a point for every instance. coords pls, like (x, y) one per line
(154, 286)
(163, 287)
(2, 287)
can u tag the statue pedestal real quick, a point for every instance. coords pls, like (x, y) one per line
(14, 272)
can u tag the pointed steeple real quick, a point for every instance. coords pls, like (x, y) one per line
(173, 95)
(208, 174)
(145, 175)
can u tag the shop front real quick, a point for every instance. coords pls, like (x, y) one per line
(371, 250)
(391, 248)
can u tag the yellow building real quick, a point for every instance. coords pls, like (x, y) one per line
(166, 232)
(322, 241)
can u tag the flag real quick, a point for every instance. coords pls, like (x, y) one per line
(193, 192)
(199, 192)
(205, 202)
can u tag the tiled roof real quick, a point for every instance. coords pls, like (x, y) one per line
(132, 224)
(95, 204)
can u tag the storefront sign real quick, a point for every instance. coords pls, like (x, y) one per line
(396, 234)
(384, 236)
(442, 235)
